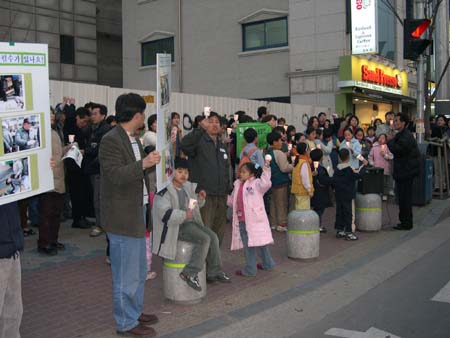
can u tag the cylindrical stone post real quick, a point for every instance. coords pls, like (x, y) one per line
(176, 289)
(303, 235)
(368, 216)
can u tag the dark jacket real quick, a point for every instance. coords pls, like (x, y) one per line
(406, 155)
(209, 162)
(321, 182)
(91, 164)
(11, 234)
(121, 184)
(344, 181)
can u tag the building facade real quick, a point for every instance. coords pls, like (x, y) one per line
(84, 36)
(284, 50)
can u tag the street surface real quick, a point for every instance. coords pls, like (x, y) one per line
(355, 289)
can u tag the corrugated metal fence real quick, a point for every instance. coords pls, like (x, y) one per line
(182, 103)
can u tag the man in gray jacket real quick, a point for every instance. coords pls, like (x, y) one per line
(124, 187)
(209, 169)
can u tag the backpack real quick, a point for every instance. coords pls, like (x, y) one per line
(246, 158)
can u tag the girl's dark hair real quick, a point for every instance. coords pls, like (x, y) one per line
(150, 120)
(354, 117)
(197, 120)
(310, 129)
(174, 114)
(358, 130)
(253, 169)
(290, 128)
(298, 136)
(350, 130)
(311, 120)
(301, 149)
(375, 122)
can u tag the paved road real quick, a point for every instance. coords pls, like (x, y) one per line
(386, 295)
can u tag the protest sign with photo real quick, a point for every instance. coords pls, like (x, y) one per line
(25, 120)
(164, 170)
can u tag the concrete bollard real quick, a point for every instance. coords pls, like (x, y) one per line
(368, 215)
(175, 289)
(303, 235)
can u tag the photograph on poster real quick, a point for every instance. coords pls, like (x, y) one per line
(12, 92)
(21, 133)
(165, 91)
(168, 168)
(15, 176)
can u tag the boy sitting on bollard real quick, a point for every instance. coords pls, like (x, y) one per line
(176, 216)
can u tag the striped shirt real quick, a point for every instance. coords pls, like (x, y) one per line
(137, 154)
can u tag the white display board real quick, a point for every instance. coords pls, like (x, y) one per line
(364, 26)
(164, 170)
(25, 139)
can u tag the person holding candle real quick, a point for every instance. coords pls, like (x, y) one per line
(250, 226)
(321, 183)
(302, 179)
(353, 146)
(176, 216)
(280, 169)
(380, 156)
(387, 127)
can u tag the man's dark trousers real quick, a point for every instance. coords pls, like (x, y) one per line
(404, 192)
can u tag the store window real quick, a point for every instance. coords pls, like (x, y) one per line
(151, 48)
(265, 34)
(386, 29)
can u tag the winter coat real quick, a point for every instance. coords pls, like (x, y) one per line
(327, 149)
(209, 162)
(321, 182)
(256, 221)
(91, 165)
(22, 138)
(11, 234)
(406, 155)
(355, 150)
(380, 161)
(344, 181)
(58, 170)
(166, 203)
(122, 182)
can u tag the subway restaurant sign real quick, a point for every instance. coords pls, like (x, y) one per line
(362, 73)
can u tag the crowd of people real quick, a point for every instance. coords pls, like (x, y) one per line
(312, 168)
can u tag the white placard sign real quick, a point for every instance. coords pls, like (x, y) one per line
(164, 170)
(25, 140)
(364, 26)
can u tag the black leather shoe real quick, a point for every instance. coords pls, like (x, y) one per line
(49, 250)
(403, 227)
(59, 246)
(192, 281)
(81, 224)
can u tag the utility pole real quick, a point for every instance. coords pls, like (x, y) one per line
(420, 125)
(441, 47)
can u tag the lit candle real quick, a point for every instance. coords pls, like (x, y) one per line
(268, 157)
(229, 130)
(293, 158)
(71, 138)
(236, 117)
(207, 111)
(316, 164)
(192, 203)
(347, 144)
(289, 146)
(285, 128)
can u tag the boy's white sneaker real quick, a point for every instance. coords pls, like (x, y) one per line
(281, 229)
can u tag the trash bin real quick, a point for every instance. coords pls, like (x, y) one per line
(303, 235)
(422, 189)
(174, 288)
(372, 182)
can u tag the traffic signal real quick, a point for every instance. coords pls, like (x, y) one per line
(413, 45)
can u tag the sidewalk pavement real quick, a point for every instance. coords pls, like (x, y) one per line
(70, 295)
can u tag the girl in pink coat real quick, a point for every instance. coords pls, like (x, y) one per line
(381, 157)
(251, 229)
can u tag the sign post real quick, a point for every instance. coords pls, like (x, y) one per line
(364, 26)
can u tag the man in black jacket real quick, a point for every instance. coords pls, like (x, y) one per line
(209, 161)
(11, 243)
(98, 128)
(406, 167)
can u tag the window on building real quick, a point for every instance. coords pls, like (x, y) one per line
(265, 34)
(67, 49)
(151, 48)
(386, 29)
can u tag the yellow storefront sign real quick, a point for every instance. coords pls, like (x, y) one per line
(357, 72)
